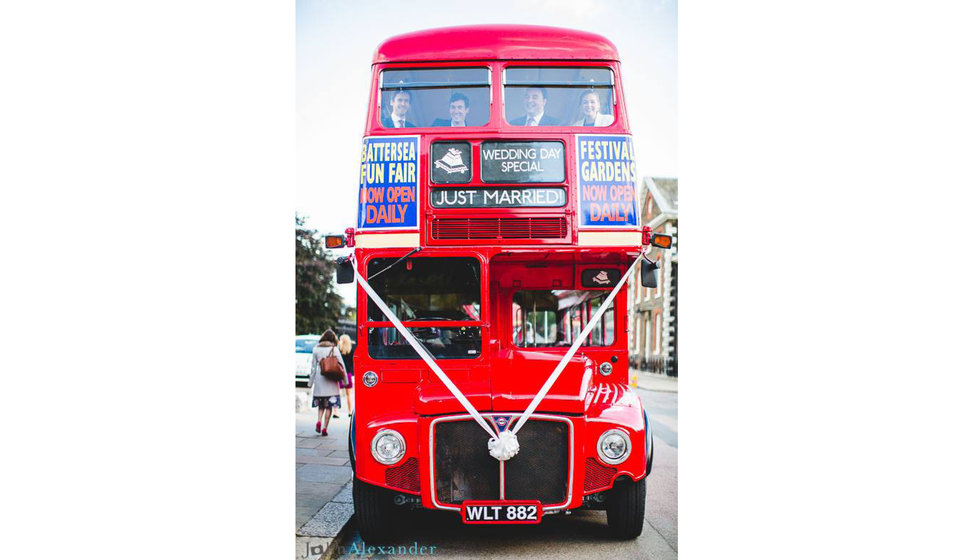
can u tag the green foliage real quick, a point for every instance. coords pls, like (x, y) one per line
(318, 306)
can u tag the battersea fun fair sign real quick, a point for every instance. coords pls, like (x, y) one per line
(389, 193)
(606, 181)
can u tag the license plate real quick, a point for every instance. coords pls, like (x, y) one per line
(501, 512)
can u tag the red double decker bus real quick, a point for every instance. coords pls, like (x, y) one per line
(497, 226)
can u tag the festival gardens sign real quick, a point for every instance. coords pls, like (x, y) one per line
(606, 180)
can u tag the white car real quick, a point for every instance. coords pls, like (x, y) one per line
(304, 355)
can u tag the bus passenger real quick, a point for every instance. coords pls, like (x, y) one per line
(535, 98)
(459, 107)
(400, 104)
(591, 111)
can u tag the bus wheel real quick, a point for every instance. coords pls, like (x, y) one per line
(374, 512)
(625, 508)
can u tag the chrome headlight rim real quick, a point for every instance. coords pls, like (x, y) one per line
(614, 431)
(606, 368)
(374, 449)
(370, 379)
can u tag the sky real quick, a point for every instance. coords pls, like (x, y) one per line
(336, 40)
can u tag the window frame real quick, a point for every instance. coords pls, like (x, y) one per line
(380, 90)
(482, 323)
(614, 86)
(584, 316)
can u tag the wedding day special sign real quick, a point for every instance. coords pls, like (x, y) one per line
(522, 162)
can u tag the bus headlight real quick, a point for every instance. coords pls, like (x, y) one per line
(388, 447)
(605, 368)
(614, 446)
(370, 379)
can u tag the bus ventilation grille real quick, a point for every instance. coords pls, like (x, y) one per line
(404, 476)
(596, 475)
(499, 228)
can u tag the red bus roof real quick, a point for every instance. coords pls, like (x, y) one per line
(483, 42)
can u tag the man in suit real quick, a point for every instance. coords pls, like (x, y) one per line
(459, 107)
(400, 104)
(535, 98)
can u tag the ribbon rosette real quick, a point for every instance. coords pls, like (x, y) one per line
(504, 446)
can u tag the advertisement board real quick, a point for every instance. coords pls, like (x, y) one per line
(389, 186)
(606, 168)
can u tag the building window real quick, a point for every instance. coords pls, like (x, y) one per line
(658, 320)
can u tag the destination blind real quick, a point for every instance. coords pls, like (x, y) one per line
(518, 197)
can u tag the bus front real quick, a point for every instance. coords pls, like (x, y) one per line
(497, 218)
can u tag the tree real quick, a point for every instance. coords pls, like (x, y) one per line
(318, 306)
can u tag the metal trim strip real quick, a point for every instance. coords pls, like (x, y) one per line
(571, 456)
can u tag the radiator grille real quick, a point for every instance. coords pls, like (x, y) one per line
(499, 228)
(540, 470)
(404, 476)
(597, 475)
(464, 470)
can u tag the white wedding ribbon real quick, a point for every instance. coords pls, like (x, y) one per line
(575, 346)
(423, 353)
(505, 445)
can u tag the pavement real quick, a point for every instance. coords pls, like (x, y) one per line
(324, 505)
(653, 381)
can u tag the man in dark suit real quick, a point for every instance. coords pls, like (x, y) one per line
(535, 98)
(459, 107)
(400, 104)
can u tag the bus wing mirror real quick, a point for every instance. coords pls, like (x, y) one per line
(661, 240)
(335, 241)
(648, 273)
(345, 271)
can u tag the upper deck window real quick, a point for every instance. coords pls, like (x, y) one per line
(450, 97)
(559, 96)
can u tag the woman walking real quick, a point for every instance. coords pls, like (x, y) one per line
(326, 393)
(346, 350)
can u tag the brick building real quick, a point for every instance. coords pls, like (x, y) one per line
(653, 311)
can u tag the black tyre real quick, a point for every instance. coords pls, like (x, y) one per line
(374, 512)
(350, 446)
(625, 508)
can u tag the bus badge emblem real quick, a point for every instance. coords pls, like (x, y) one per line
(501, 421)
(452, 162)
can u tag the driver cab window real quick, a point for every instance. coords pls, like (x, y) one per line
(425, 293)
